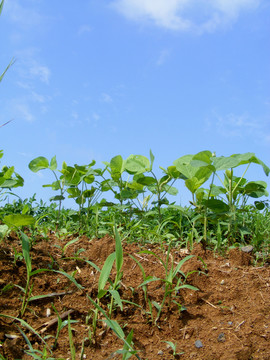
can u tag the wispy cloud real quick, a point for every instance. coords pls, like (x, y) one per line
(163, 56)
(106, 98)
(23, 16)
(40, 71)
(23, 111)
(30, 67)
(239, 126)
(84, 29)
(184, 15)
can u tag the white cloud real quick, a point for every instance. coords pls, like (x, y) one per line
(184, 15)
(239, 126)
(30, 67)
(40, 71)
(84, 29)
(23, 16)
(163, 56)
(24, 112)
(106, 98)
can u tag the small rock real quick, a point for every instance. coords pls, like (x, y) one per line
(222, 282)
(160, 352)
(247, 249)
(230, 323)
(198, 344)
(221, 337)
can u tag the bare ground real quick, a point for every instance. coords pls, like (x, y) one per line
(229, 314)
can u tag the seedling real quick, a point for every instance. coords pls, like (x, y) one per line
(171, 288)
(173, 347)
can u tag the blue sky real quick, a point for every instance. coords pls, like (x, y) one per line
(95, 78)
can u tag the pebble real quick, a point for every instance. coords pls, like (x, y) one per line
(230, 323)
(160, 352)
(222, 282)
(198, 344)
(221, 337)
(247, 249)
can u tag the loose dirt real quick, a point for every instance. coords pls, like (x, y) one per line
(228, 318)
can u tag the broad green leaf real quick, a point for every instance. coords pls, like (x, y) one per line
(256, 189)
(8, 184)
(57, 198)
(187, 170)
(260, 205)
(144, 180)
(70, 176)
(170, 189)
(217, 206)
(89, 179)
(217, 190)
(53, 163)
(19, 220)
(224, 163)
(173, 172)
(106, 271)
(9, 172)
(137, 164)
(73, 192)
(183, 160)
(193, 184)
(89, 193)
(203, 158)
(38, 163)
(117, 165)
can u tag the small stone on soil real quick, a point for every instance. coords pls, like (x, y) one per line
(247, 249)
(221, 337)
(160, 352)
(198, 344)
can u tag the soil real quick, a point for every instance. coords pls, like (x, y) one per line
(227, 318)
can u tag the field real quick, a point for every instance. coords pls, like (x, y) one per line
(140, 277)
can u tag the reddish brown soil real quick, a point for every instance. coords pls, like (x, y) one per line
(229, 314)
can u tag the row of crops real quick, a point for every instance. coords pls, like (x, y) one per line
(228, 211)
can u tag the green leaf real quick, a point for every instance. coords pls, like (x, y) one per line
(256, 189)
(19, 220)
(1, 6)
(53, 163)
(152, 158)
(117, 298)
(180, 264)
(144, 180)
(203, 158)
(38, 163)
(217, 206)
(117, 165)
(106, 271)
(57, 198)
(73, 192)
(26, 252)
(118, 251)
(137, 164)
(170, 189)
(260, 205)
